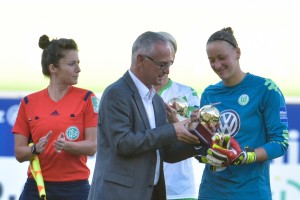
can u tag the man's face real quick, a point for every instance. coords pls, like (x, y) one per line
(157, 64)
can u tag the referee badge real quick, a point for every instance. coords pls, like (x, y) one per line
(72, 133)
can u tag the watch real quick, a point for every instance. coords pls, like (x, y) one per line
(33, 150)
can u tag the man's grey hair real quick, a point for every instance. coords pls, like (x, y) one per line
(170, 38)
(144, 44)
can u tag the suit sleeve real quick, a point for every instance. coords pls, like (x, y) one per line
(121, 120)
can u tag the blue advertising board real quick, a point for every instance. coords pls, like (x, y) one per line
(293, 111)
(8, 111)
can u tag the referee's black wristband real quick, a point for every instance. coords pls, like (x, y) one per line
(33, 150)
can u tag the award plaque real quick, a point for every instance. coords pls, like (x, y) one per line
(206, 115)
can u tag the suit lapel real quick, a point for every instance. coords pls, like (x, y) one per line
(138, 99)
(159, 111)
(142, 110)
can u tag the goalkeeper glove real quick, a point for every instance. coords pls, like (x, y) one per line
(235, 155)
(214, 158)
(221, 140)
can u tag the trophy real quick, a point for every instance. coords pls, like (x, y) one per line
(206, 115)
(181, 106)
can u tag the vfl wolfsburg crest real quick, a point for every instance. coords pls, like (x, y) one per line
(72, 133)
(243, 99)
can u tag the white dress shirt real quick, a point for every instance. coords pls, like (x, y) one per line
(147, 96)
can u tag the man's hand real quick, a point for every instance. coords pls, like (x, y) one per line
(171, 114)
(183, 134)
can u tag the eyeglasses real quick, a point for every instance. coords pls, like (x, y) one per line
(161, 65)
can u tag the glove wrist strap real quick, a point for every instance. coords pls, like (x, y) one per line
(250, 156)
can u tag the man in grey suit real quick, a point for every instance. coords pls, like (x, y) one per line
(134, 135)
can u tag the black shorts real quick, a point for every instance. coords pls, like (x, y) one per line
(78, 190)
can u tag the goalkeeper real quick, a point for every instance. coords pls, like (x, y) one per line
(253, 114)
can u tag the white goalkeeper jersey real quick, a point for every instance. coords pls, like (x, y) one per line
(182, 178)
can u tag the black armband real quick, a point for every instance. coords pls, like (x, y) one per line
(33, 150)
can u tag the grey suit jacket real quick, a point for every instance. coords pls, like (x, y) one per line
(126, 145)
